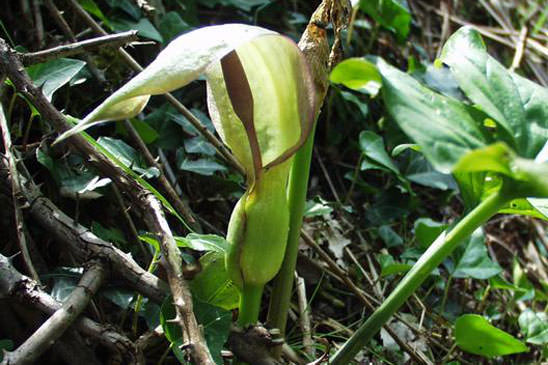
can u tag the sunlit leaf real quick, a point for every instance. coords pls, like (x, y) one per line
(474, 334)
(357, 74)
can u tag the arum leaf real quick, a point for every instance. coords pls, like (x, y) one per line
(474, 334)
(279, 98)
(181, 62)
(519, 106)
(443, 127)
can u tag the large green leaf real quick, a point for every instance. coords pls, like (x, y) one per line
(518, 106)
(474, 334)
(52, 75)
(444, 128)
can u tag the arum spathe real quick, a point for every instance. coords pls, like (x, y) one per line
(261, 100)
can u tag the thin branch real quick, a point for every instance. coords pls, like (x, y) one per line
(418, 357)
(304, 316)
(133, 234)
(219, 146)
(145, 200)
(38, 23)
(179, 205)
(85, 245)
(13, 285)
(518, 55)
(58, 18)
(112, 40)
(15, 192)
(60, 321)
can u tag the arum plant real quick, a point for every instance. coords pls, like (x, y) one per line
(496, 149)
(260, 98)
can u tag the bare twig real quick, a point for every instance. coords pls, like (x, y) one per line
(164, 182)
(85, 245)
(518, 55)
(15, 192)
(304, 316)
(58, 18)
(219, 146)
(13, 285)
(146, 201)
(38, 23)
(417, 356)
(112, 40)
(61, 320)
(133, 234)
(146, 7)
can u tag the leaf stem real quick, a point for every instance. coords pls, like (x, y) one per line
(436, 253)
(250, 305)
(296, 196)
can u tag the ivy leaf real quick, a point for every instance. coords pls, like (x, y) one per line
(202, 166)
(391, 14)
(534, 326)
(52, 75)
(474, 261)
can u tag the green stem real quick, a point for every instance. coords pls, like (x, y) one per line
(435, 254)
(250, 305)
(139, 303)
(296, 196)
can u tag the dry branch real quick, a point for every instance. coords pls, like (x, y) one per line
(112, 40)
(140, 197)
(26, 291)
(15, 192)
(45, 336)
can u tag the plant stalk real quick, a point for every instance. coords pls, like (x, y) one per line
(250, 305)
(296, 196)
(436, 253)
